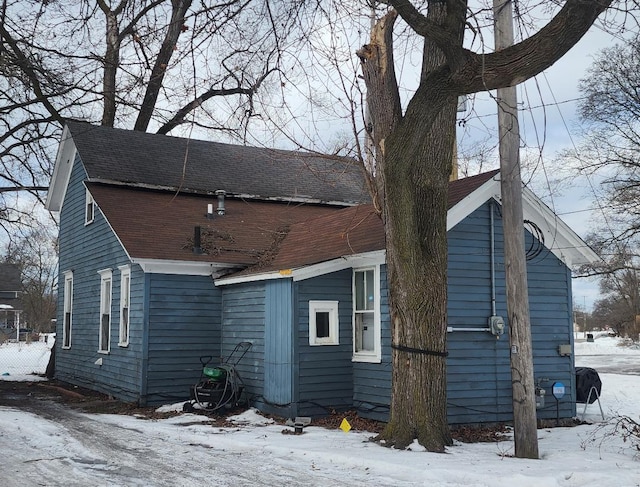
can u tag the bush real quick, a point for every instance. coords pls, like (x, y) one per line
(622, 427)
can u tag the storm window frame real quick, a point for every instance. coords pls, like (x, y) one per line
(125, 306)
(89, 208)
(319, 311)
(104, 326)
(366, 306)
(67, 310)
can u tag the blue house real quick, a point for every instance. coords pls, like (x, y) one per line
(172, 249)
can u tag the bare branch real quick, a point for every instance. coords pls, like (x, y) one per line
(15, 189)
(154, 84)
(28, 69)
(533, 55)
(180, 115)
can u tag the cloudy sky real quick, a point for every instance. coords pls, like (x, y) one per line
(548, 123)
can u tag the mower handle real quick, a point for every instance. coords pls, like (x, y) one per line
(205, 359)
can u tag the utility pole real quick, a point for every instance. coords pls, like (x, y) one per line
(522, 383)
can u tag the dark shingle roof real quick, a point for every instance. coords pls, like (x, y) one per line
(197, 166)
(348, 231)
(259, 235)
(160, 224)
(461, 188)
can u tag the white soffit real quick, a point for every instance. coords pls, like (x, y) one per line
(559, 238)
(307, 272)
(61, 172)
(179, 267)
(473, 201)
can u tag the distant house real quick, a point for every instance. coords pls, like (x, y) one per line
(171, 249)
(10, 294)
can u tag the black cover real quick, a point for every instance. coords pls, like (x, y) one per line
(586, 378)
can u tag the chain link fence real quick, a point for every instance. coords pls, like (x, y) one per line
(24, 354)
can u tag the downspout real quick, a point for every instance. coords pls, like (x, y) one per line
(493, 262)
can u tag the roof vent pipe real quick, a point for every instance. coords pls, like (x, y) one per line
(197, 242)
(220, 193)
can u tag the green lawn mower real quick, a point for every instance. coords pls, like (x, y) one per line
(220, 386)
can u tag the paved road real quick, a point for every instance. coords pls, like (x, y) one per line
(606, 364)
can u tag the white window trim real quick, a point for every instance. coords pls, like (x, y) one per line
(105, 275)
(125, 297)
(67, 307)
(334, 323)
(374, 356)
(89, 201)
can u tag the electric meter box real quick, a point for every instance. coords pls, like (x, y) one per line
(496, 325)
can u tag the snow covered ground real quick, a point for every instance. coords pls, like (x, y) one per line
(74, 449)
(19, 361)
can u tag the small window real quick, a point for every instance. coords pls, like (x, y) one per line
(89, 213)
(366, 315)
(323, 323)
(67, 309)
(105, 311)
(125, 291)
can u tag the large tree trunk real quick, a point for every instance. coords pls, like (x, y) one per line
(414, 154)
(417, 165)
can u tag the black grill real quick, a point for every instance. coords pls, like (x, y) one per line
(586, 379)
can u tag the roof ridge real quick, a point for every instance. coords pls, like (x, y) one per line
(201, 166)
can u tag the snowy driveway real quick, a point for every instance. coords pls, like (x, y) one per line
(47, 440)
(107, 450)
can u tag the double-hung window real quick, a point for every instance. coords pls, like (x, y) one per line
(67, 309)
(366, 315)
(89, 208)
(125, 291)
(105, 310)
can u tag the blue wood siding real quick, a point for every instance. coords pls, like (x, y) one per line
(243, 319)
(325, 372)
(552, 325)
(184, 314)
(372, 382)
(172, 320)
(278, 343)
(478, 368)
(85, 250)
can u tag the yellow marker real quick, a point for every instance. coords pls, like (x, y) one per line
(285, 272)
(345, 426)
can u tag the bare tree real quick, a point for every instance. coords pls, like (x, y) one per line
(413, 155)
(610, 148)
(148, 65)
(610, 151)
(158, 64)
(619, 273)
(35, 253)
